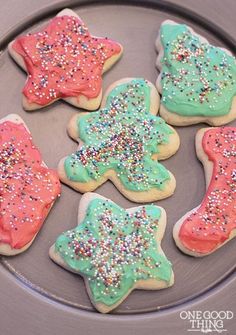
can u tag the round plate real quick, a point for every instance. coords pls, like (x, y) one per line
(137, 32)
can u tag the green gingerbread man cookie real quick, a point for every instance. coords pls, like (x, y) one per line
(122, 142)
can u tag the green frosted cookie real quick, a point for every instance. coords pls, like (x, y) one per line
(115, 250)
(122, 142)
(197, 80)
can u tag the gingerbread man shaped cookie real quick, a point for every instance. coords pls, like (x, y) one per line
(121, 142)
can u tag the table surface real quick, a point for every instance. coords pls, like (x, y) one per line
(69, 321)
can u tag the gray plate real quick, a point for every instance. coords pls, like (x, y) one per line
(136, 29)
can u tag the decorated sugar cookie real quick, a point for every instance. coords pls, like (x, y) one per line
(28, 188)
(213, 223)
(115, 250)
(197, 80)
(122, 142)
(64, 61)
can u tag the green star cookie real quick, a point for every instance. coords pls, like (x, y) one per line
(115, 250)
(121, 142)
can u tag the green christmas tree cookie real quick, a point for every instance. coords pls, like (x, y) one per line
(197, 80)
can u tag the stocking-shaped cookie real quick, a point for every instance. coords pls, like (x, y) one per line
(212, 224)
(197, 80)
(121, 142)
(28, 188)
(115, 250)
(64, 61)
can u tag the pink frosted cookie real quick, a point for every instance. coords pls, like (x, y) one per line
(213, 223)
(28, 189)
(64, 61)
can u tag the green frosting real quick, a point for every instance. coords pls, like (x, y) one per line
(114, 249)
(122, 137)
(198, 79)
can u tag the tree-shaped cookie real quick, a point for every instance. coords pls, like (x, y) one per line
(64, 61)
(121, 142)
(197, 80)
(115, 250)
(212, 224)
(28, 188)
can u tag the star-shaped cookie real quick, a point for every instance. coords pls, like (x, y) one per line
(197, 80)
(115, 250)
(122, 142)
(64, 61)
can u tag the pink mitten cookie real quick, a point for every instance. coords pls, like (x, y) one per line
(64, 61)
(197, 80)
(115, 250)
(28, 188)
(212, 224)
(122, 142)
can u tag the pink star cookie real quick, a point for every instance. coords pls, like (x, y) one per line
(64, 61)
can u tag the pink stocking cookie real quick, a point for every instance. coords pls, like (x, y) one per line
(213, 223)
